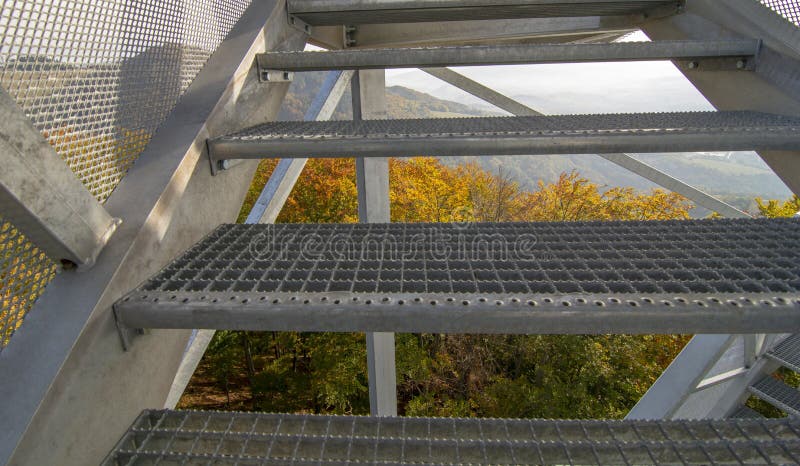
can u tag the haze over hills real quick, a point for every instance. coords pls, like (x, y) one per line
(736, 177)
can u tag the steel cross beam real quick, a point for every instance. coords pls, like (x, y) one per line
(624, 160)
(340, 12)
(41, 196)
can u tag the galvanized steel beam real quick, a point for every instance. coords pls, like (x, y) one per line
(372, 180)
(334, 12)
(681, 378)
(742, 52)
(533, 30)
(41, 196)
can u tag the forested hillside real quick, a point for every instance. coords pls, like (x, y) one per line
(737, 178)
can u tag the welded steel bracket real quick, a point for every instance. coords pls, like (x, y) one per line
(41, 196)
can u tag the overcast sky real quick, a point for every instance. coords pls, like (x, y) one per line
(572, 88)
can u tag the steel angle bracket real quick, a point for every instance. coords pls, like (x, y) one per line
(126, 334)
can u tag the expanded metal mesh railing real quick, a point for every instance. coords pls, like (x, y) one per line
(24, 272)
(97, 78)
(789, 9)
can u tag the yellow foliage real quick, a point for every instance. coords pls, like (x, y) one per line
(775, 209)
(423, 189)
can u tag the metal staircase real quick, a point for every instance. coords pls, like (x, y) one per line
(714, 278)
(774, 391)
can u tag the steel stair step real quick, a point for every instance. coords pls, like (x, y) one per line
(787, 353)
(353, 59)
(778, 394)
(531, 135)
(691, 276)
(353, 12)
(251, 438)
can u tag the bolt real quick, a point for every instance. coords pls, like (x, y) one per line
(67, 264)
(224, 164)
(693, 65)
(741, 64)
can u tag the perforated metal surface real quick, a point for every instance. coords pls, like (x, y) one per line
(24, 272)
(170, 437)
(787, 353)
(778, 394)
(789, 9)
(336, 12)
(96, 78)
(576, 134)
(667, 270)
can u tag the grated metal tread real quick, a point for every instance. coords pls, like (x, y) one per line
(353, 59)
(747, 413)
(778, 394)
(251, 438)
(709, 276)
(787, 352)
(348, 12)
(531, 135)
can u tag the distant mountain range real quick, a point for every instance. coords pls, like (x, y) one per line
(736, 177)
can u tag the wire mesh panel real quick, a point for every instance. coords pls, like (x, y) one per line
(24, 271)
(96, 77)
(789, 9)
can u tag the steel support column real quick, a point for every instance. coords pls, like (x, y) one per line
(372, 177)
(681, 377)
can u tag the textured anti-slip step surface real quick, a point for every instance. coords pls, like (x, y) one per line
(584, 277)
(506, 54)
(787, 352)
(348, 12)
(778, 394)
(247, 438)
(558, 134)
